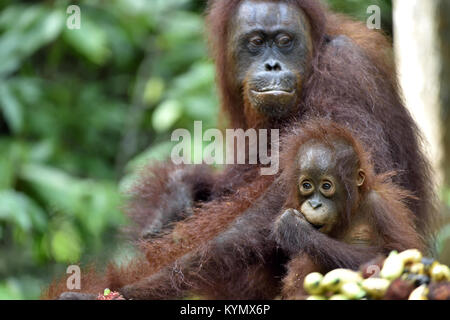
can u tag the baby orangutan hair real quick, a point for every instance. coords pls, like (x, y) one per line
(338, 213)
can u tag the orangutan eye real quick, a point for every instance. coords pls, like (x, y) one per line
(284, 41)
(257, 41)
(307, 186)
(326, 186)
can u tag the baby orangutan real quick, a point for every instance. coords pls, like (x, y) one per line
(338, 213)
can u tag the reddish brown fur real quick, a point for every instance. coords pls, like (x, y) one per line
(392, 218)
(213, 255)
(209, 220)
(167, 192)
(198, 228)
(298, 268)
(351, 83)
(383, 202)
(362, 78)
(91, 282)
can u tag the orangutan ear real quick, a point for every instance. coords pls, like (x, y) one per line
(361, 178)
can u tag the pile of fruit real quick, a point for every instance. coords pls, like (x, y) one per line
(401, 276)
(110, 295)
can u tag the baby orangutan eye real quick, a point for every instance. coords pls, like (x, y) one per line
(326, 186)
(306, 187)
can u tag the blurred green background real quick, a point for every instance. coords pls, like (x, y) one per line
(81, 110)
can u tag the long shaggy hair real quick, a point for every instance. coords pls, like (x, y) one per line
(227, 243)
(353, 83)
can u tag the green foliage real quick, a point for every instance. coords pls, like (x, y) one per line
(78, 109)
(359, 8)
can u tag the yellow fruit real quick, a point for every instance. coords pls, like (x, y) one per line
(338, 297)
(393, 266)
(410, 256)
(334, 279)
(316, 297)
(417, 268)
(352, 291)
(375, 287)
(440, 272)
(420, 293)
(312, 283)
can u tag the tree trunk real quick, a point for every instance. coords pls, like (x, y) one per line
(418, 55)
(422, 49)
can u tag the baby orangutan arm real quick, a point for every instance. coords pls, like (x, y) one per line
(313, 251)
(296, 235)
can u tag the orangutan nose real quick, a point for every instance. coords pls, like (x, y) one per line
(273, 65)
(314, 203)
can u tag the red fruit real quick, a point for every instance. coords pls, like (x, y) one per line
(399, 290)
(112, 296)
(439, 291)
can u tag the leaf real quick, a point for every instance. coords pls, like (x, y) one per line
(42, 151)
(66, 244)
(7, 163)
(166, 114)
(101, 202)
(202, 107)
(10, 290)
(11, 15)
(19, 209)
(20, 16)
(11, 108)
(29, 90)
(59, 190)
(90, 40)
(181, 28)
(38, 28)
(154, 90)
(199, 79)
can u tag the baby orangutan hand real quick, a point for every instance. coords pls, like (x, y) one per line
(291, 228)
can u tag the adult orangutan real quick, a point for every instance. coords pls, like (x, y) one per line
(277, 62)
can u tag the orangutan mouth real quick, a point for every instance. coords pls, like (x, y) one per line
(274, 91)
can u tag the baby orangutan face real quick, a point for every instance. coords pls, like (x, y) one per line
(321, 193)
(319, 206)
